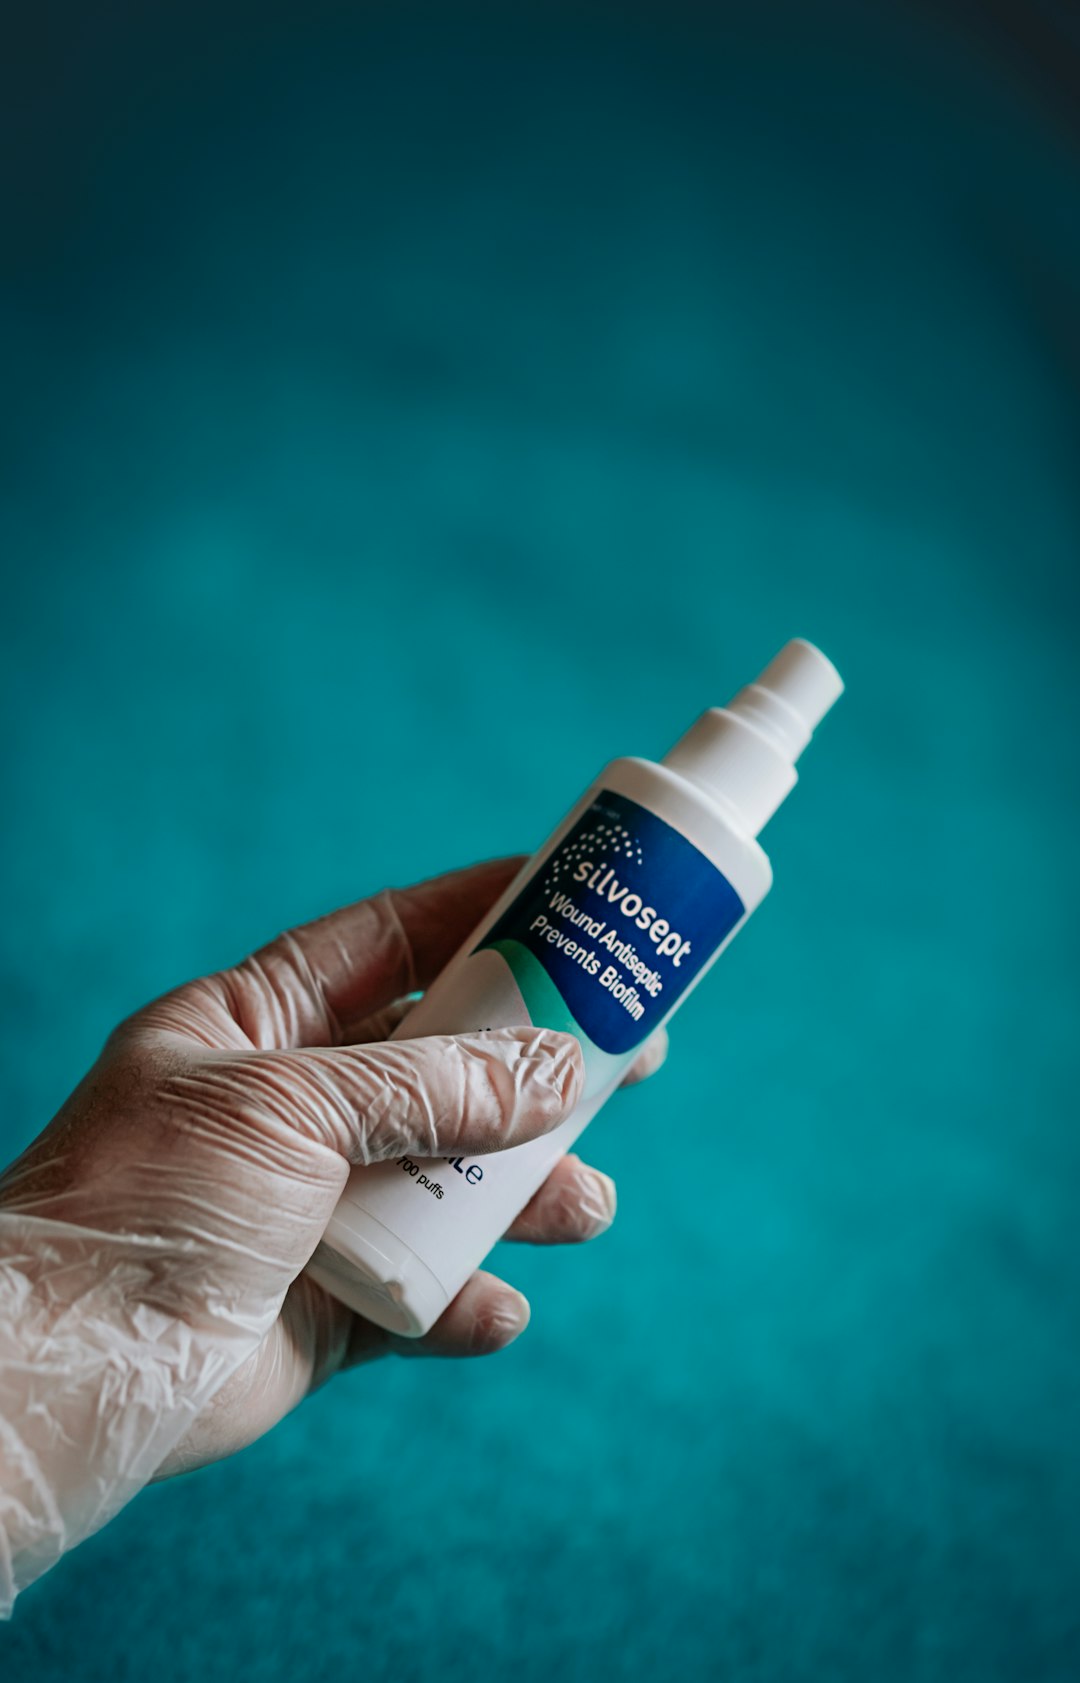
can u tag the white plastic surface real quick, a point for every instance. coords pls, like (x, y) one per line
(717, 787)
(744, 754)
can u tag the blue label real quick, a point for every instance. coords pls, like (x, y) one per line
(621, 918)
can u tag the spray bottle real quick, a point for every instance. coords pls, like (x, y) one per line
(602, 934)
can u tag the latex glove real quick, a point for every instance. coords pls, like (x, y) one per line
(154, 1313)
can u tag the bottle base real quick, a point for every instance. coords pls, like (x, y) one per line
(376, 1274)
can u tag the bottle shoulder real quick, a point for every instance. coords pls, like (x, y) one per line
(699, 817)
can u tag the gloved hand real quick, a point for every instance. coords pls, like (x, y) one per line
(154, 1313)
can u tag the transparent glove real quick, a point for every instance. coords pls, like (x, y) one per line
(154, 1312)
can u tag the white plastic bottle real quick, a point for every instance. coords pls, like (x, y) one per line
(602, 933)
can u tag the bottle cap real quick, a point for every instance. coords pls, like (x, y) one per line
(744, 754)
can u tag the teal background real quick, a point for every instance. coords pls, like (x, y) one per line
(404, 411)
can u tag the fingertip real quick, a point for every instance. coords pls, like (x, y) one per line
(504, 1319)
(651, 1056)
(576, 1203)
(587, 1195)
(599, 1200)
(486, 1316)
(567, 1064)
(548, 1070)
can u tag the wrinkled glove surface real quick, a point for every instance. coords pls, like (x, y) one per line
(154, 1312)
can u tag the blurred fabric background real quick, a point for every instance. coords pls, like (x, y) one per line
(405, 410)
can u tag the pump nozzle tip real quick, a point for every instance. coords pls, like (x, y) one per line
(792, 695)
(745, 753)
(805, 678)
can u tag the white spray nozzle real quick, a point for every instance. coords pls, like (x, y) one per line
(745, 753)
(791, 697)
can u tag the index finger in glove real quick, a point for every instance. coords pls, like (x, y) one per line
(326, 974)
(436, 1097)
(313, 984)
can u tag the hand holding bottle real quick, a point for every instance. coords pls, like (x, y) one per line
(154, 1310)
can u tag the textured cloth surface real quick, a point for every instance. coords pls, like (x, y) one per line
(403, 414)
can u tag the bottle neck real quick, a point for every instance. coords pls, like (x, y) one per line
(741, 756)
